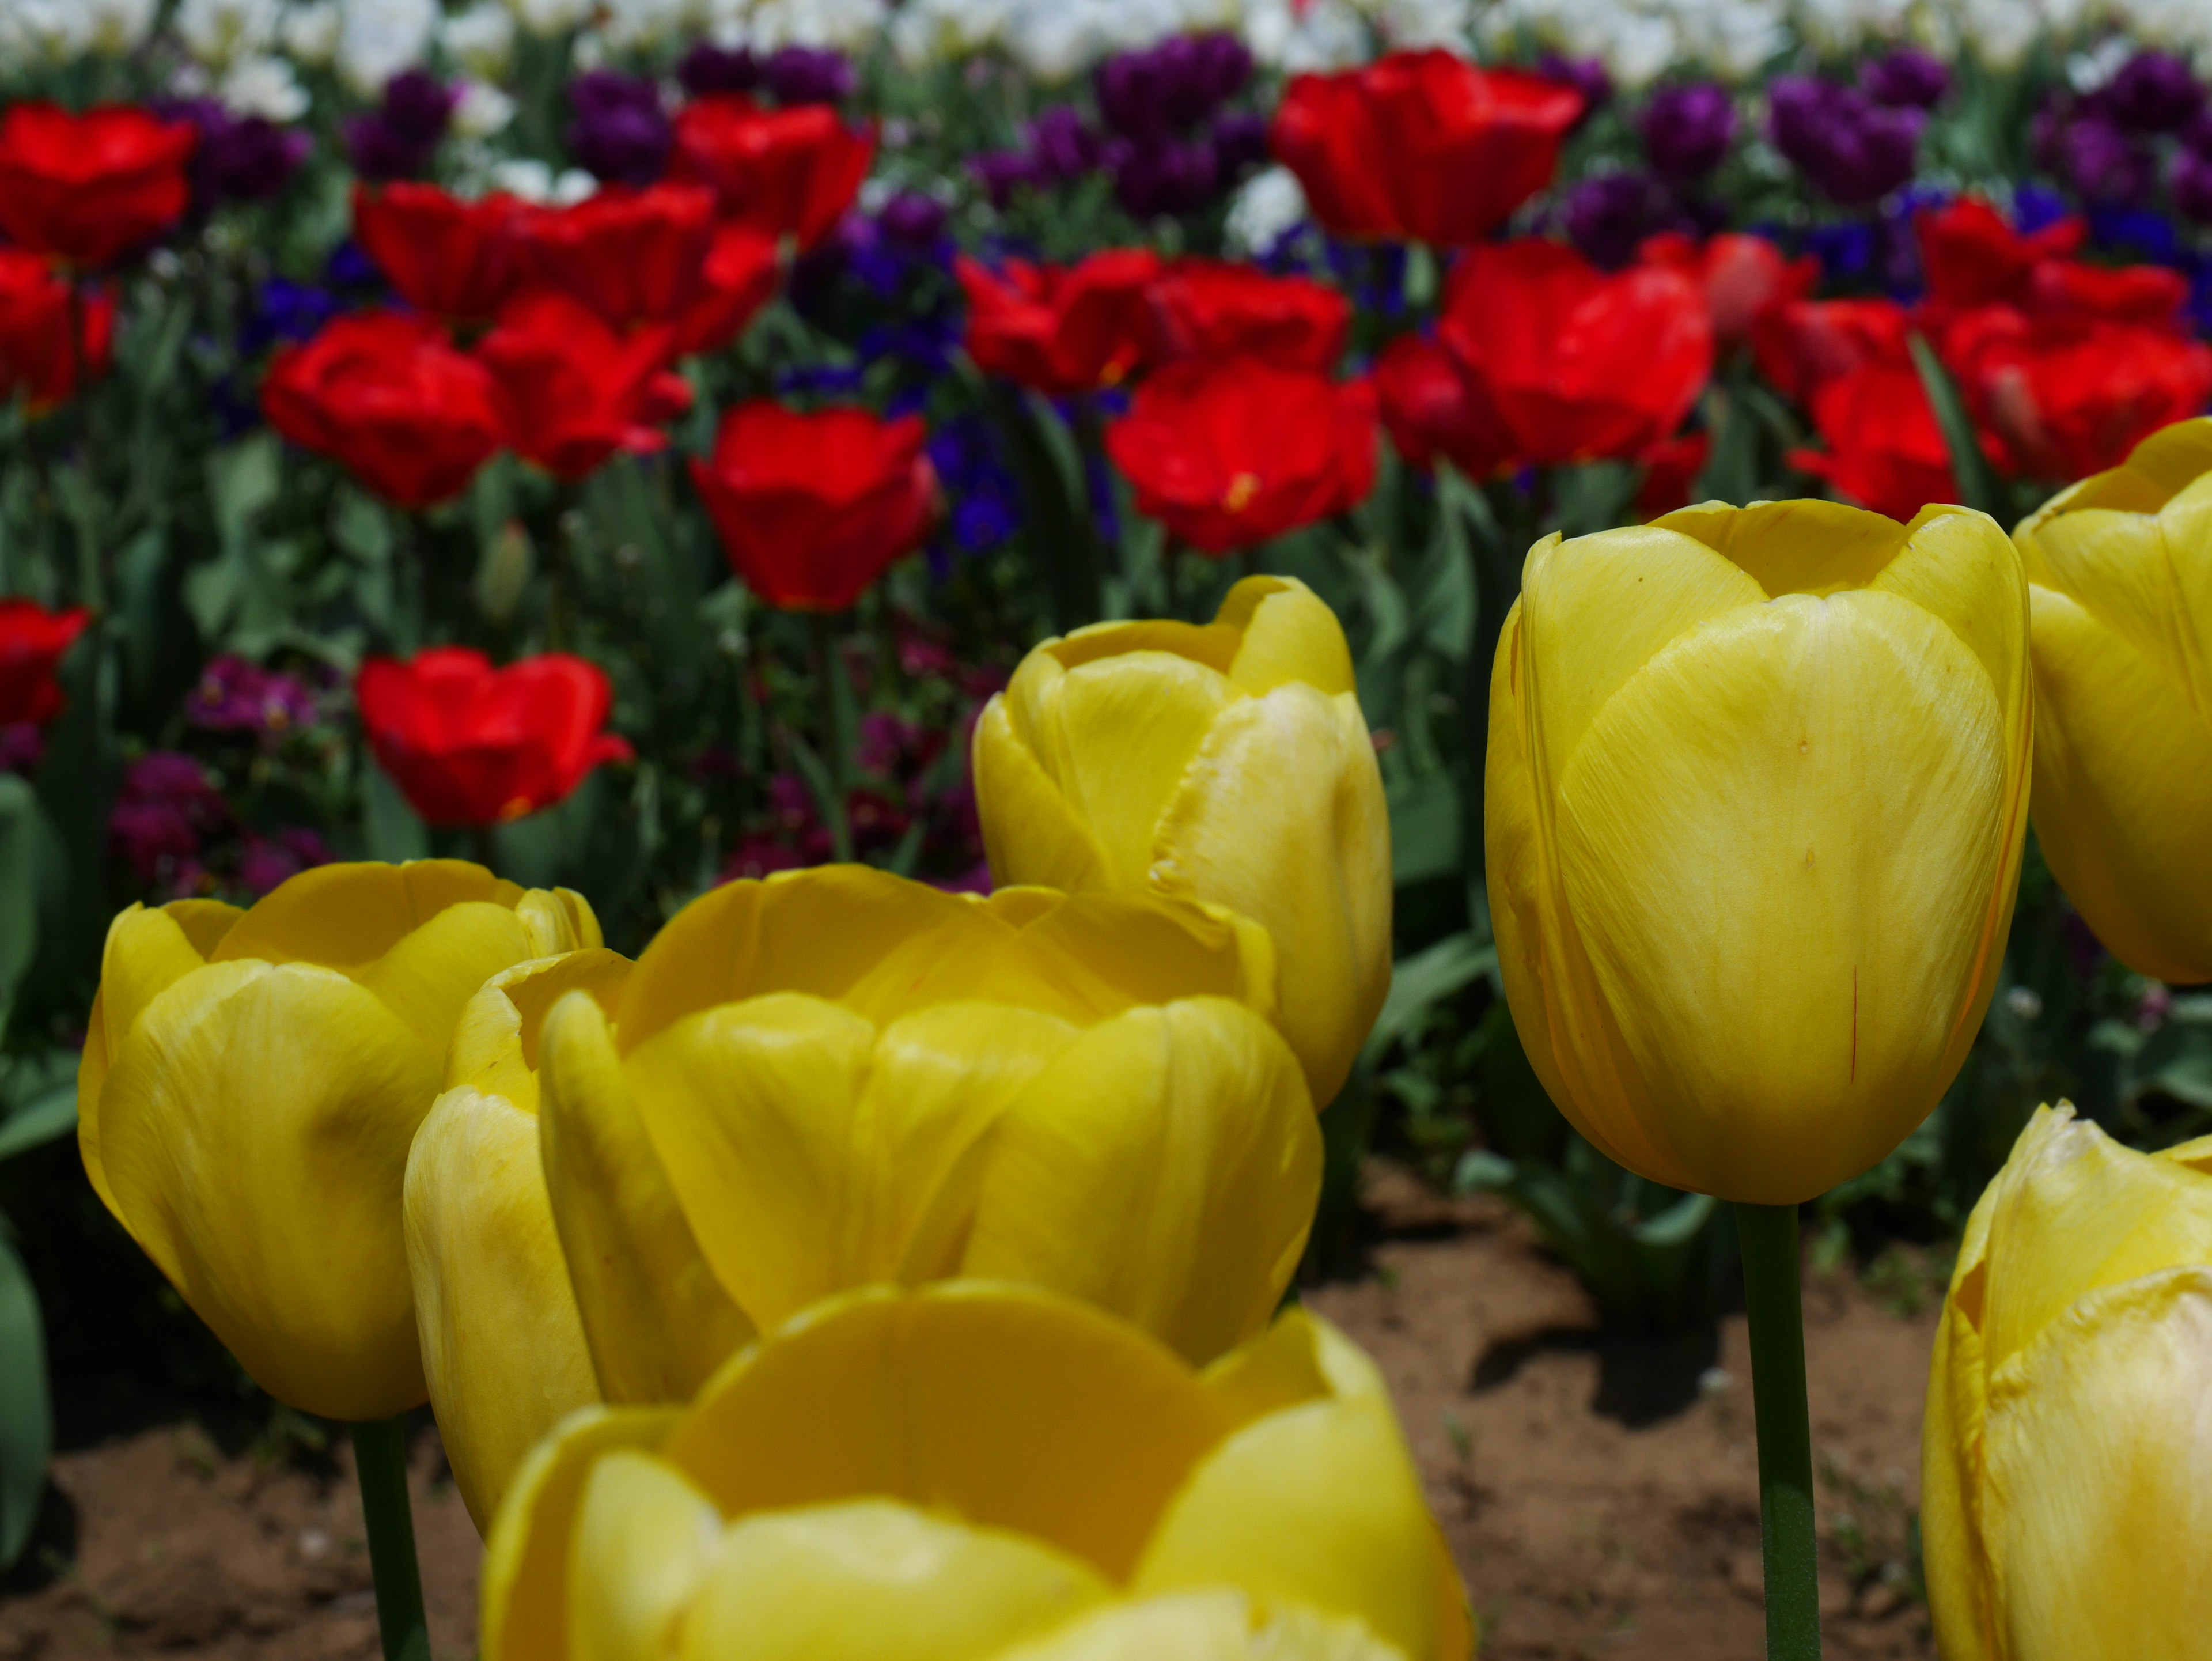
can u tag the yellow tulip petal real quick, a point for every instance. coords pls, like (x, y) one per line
(1317, 1503)
(254, 1131)
(656, 1321)
(817, 932)
(1030, 828)
(1289, 636)
(428, 977)
(2072, 1211)
(645, 1541)
(91, 1079)
(523, 1602)
(1732, 869)
(1279, 780)
(874, 1580)
(2160, 467)
(347, 916)
(1801, 547)
(147, 953)
(2098, 1510)
(1007, 1407)
(495, 1047)
(1213, 645)
(502, 1344)
(1960, 567)
(2121, 760)
(1952, 1549)
(1165, 1167)
(558, 920)
(1208, 1625)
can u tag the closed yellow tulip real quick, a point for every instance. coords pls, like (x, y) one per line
(1227, 763)
(2066, 1463)
(979, 1472)
(2120, 574)
(1756, 794)
(252, 1081)
(836, 1077)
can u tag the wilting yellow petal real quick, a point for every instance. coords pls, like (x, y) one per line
(1007, 1407)
(656, 1321)
(1289, 635)
(495, 1047)
(1280, 815)
(1789, 826)
(347, 916)
(524, 1602)
(2098, 1516)
(502, 1344)
(1056, 848)
(874, 1580)
(1164, 1167)
(254, 1132)
(1801, 547)
(645, 1541)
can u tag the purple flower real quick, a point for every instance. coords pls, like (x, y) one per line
(1853, 151)
(808, 75)
(2154, 92)
(1165, 176)
(23, 747)
(238, 696)
(1172, 87)
(164, 815)
(269, 862)
(1688, 130)
(1062, 145)
(2192, 184)
(620, 134)
(708, 69)
(250, 159)
(915, 219)
(1004, 173)
(1906, 78)
(1240, 143)
(2100, 163)
(399, 138)
(1607, 216)
(1586, 75)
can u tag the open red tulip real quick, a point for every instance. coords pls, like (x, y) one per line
(1802, 344)
(1061, 331)
(1228, 454)
(389, 395)
(458, 259)
(1432, 407)
(743, 268)
(470, 745)
(631, 256)
(1581, 365)
(84, 189)
(1215, 308)
(1885, 450)
(1741, 276)
(1973, 257)
(35, 352)
(1422, 145)
(576, 391)
(32, 642)
(2152, 296)
(784, 172)
(812, 507)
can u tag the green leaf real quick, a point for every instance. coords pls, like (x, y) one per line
(27, 1418)
(394, 831)
(1425, 830)
(1421, 982)
(19, 889)
(46, 1112)
(1970, 468)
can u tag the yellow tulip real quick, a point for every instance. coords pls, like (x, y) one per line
(2120, 574)
(2066, 1460)
(1757, 791)
(1227, 763)
(981, 1472)
(251, 1083)
(836, 1077)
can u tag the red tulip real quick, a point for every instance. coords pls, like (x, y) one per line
(388, 395)
(631, 256)
(1433, 407)
(1973, 257)
(1581, 365)
(785, 173)
(1885, 449)
(1230, 453)
(1061, 331)
(2068, 396)
(812, 507)
(458, 259)
(85, 188)
(1213, 309)
(1670, 473)
(1422, 144)
(35, 355)
(740, 277)
(576, 391)
(470, 745)
(32, 642)
(1802, 344)
(1741, 276)
(2151, 295)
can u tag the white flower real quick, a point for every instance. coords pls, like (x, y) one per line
(1265, 209)
(1412, 24)
(482, 109)
(218, 31)
(847, 25)
(380, 37)
(1326, 34)
(533, 181)
(544, 17)
(113, 27)
(648, 23)
(925, 32)
(311, 32)
(1735, 37)
(265, 86)
(482, 38)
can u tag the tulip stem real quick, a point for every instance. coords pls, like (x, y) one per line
(1769, 1236)
(379, 1457)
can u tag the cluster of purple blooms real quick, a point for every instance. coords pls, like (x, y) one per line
(1857, 144)
(1167, 135)
(169, 818)
(399, 138)
(239, 158)
(2104, 144)
(619, 130)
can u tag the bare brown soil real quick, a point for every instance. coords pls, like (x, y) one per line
(1599, 1490)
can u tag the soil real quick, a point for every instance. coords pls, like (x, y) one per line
(1598, 1489)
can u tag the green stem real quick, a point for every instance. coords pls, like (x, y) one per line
(379, 1457)
(1769, 1236)
(837, 740)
